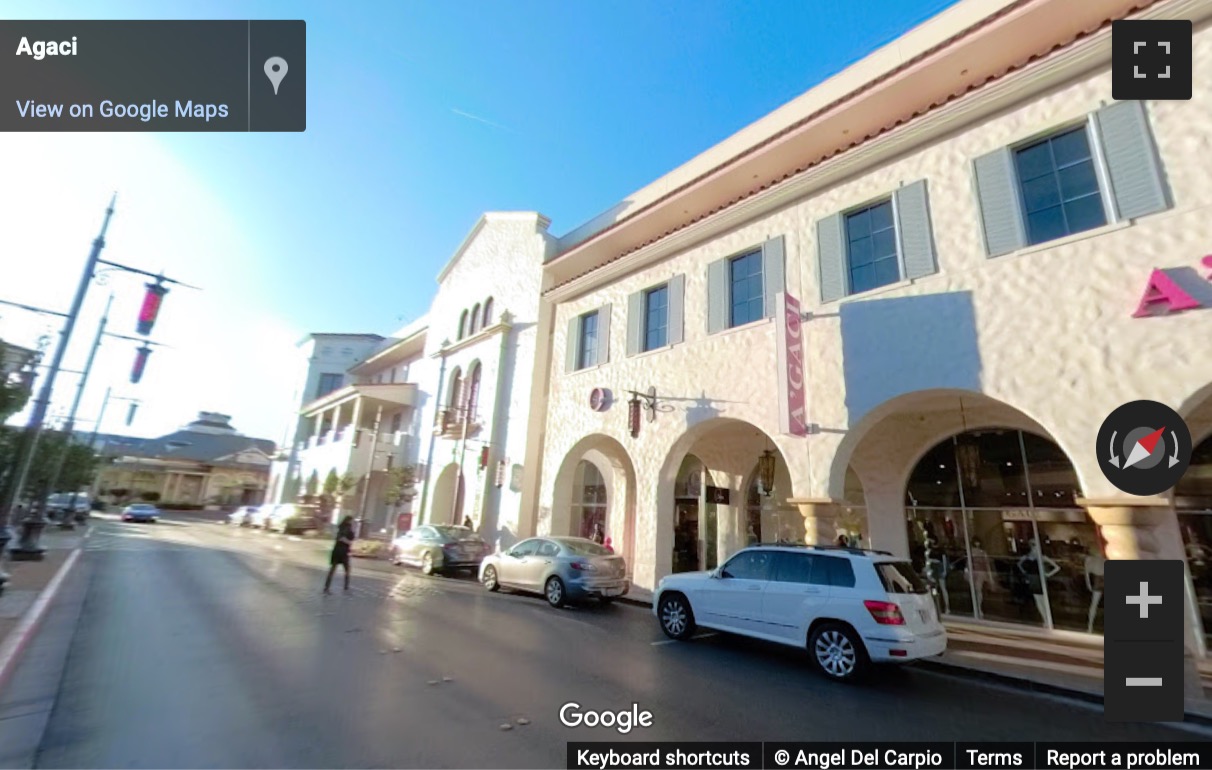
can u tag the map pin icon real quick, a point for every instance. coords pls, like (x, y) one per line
(275, 70)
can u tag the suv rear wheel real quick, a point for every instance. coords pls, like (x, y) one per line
(838, 652)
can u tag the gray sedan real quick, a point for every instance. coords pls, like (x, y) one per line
(563, 569)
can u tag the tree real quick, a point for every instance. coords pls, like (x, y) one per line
(312, 486)
(401, 486)
(14, 392)
(332, 483)
(345, 487)
(79, 465)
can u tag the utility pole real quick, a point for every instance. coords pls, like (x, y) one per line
(69, 513)
(28, 548)
(374, 445)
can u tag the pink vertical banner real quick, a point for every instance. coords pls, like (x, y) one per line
(793, 417)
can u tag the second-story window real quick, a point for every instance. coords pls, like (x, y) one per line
(741, 289)
(395, 422)
(1059, 185)
(487, 313)
(745, 280)
(455, 396)
(474, 321)
(656, 318)
(329, 383)
(463, 325)
(587, 344)
(871, 255)
(473, 391)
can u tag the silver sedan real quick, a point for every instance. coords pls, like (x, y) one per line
(563, 569)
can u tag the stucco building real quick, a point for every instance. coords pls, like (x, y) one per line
(969, 224)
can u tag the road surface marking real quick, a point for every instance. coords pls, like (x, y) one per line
(15, 643)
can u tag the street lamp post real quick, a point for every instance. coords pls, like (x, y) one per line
(34, 522)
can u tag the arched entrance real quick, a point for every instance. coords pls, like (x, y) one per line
(447, 497)
(994, 530)
(729, 485)
(596, 487)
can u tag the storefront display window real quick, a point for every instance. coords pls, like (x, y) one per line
(995, 533)
(1193, 501)
(589, 496)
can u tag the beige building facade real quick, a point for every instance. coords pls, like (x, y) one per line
(970, 225)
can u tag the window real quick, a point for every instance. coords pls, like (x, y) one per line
(1074, 180)
(834, 571)
(396, 419)
(454, 397)
(329, 383)
(1059, 186)
(487, 313)
(548, 548)
(741, 289)
(899, 577)
(871, 253)
(525, 548)
(656, 318)
(793, 567)
(589, 499)
(749, 565)
(745, 280)
(463, 325)
(587, 342)
(391, 376)
(473, 391)
(876, 244)
(474, 320)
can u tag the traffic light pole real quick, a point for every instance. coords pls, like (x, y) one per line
(33, 523)
(70, 425)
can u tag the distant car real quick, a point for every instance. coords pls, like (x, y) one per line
(58, 504)
(848, 607)
(141, 512)
(242, 516)
(563, 569)
(439, 548)
(289, 519)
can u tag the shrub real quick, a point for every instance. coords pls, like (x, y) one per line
(368, 549)
(149, 497)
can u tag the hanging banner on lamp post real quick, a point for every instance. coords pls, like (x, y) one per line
(793, 416)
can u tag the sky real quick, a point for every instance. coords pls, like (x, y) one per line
(421, 116)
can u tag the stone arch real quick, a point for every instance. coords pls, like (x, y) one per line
(449, 497)
(612, 460)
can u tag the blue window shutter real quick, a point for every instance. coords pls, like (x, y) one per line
(717, 296)
(1136, 175)
(603, 352)
(573, 344)
(997, 192)
(917, 239)
(774, 271)
(831, 257)
(635, 322)
(676, 309)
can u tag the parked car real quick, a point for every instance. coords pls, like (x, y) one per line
(242, 516)
(58, 504)
(260, 517)
(563, 569)
(141, 512)
(850, 608)
(439, 548)
(290, 518)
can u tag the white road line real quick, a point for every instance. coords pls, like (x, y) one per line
(707, 635)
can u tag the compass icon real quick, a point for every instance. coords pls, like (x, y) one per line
(1144, 448)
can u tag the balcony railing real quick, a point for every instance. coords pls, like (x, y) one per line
(456, 421)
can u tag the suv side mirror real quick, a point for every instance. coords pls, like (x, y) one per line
(718, 573)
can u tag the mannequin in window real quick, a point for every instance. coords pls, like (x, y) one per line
(982, 573)
(936, 572)
(1029, 565)
(1095, 566)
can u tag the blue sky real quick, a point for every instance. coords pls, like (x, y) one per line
(421, 115)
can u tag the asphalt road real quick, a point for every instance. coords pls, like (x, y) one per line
(205, 646)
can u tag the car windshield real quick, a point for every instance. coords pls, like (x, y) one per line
(584, 547)
(451, 533)
(898, 577)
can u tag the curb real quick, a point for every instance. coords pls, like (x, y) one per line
(15, 644)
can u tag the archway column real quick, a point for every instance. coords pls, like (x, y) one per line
(1147, 528)
(820, 518)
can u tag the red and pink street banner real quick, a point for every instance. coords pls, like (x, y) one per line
(793, 416)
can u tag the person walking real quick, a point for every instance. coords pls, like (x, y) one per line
(340, 552)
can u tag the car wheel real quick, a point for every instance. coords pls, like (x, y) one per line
(427, 563)
(677, 619)
(838, 652)
(554, 591)
(489, 580)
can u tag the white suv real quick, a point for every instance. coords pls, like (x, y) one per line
(848, 606)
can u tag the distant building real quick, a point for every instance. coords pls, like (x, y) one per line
(323, 366)
(207, 463)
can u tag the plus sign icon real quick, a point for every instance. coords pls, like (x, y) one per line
(1151, 59)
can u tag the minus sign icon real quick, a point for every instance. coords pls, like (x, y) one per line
(1144, 681)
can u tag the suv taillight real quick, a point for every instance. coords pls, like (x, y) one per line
(885, 613)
